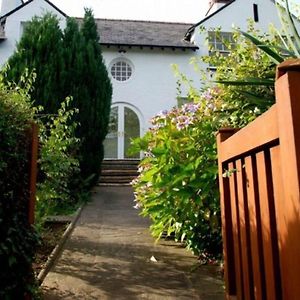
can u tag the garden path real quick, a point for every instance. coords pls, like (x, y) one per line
(108, 256)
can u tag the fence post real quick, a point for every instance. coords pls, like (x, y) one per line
(288, 106)
(32, 171)
(226, 218)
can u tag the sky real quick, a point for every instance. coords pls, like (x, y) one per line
(187, 11)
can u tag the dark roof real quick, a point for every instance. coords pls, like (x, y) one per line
(143, 33)
(26, 3)
(192, 28)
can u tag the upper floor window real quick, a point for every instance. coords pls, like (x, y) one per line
(121, 70)
(182, 100)
(24, 24)
(221, 42)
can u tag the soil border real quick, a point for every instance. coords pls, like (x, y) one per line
(57, 250)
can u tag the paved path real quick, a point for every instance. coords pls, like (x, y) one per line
(108, 257)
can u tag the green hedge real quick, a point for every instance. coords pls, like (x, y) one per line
(17, 238)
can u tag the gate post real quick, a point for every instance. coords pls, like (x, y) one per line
(227, 230)
(33, 151)
(288, 104)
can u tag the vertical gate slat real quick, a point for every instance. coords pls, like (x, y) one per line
(279, 206)
(229, 272)
(236, 232)
(255, 229)
(266, 225)
(244, 229)
(273, 225)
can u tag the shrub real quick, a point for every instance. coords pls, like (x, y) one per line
(59, 167)
(17, 238)
(177, 186)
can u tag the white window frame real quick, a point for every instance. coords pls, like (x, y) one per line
(221, 42)
(182, 100)
(121, 70)
(23, 25)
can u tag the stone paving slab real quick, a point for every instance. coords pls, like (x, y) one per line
(108, 256)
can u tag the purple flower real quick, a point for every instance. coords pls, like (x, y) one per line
(207, 95)
(190, 108)
(183, 122)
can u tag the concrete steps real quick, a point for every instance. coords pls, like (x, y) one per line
(118, 172)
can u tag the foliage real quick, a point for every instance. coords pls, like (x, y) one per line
(17, 238)
(40, 49)
(91, 90)
(275, 47)
(245, 80)
(58, 164)
(290, 38)
(177, 186)
(68, 63)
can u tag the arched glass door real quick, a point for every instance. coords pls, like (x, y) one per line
(123, 126)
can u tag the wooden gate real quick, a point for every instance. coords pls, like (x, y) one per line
(259, 183)
(33, 155)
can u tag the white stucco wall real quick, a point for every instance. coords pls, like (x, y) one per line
(237, 14)
(13, 27)
(152, 86)
(9, 5)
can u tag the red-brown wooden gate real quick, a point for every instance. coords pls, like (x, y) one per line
(33, 156)
(259, 179)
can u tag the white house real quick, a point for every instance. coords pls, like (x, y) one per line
(139, 54)
(14, 15)
(232, 14)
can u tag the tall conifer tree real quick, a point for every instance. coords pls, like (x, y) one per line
(92, 92)
(40, 49)
(69, 63)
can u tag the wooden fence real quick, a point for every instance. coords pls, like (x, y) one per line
(33, 155)
(259, 179)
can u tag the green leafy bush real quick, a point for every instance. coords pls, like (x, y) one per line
(177, 186)
(17, 238)
(244, 79)
(59, 166)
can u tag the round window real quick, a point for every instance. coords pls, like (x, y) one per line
(121, 70)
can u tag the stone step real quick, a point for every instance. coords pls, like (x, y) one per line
(120, 162)
(118, 171)
(113, 184)
(117, 179)
(119, 167)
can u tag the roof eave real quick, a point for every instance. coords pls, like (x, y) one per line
(192, 47)
(192, 28)
(26, 3)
